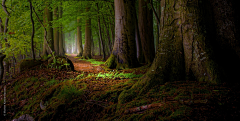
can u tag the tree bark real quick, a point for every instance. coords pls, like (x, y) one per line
(79, 39)
(100, 36)
(190, 45)
(61, 41)
(108, 36)
(140, 55)
(33, 53)
(145, 21)
(87, 45)
(47, 18)
(56, 32)
(124, 50)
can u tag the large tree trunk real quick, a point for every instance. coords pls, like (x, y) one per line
(145, 20)
(79, 39)
(124, 50)
(56, 32)
(87, 45)
(191, 45)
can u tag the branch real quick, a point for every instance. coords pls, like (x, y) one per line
(5, 8)
(155, 13)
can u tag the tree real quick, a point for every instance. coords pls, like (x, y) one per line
(56, 32)
(47, 18)
(187, 49)
(87, 45)
(79, 39)
(145, 20)
(100, 35)
(61, 42)
(124, 50)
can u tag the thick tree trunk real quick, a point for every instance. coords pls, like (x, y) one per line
(145, 20)
(56, 32)
(188, 48)
(124, 50)
(87, 45)
(79, 39)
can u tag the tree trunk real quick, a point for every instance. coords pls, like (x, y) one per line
(56, 32)
(100, 37)
(87, 45)
(47, 18)
(191, 45)
(33, 30)
(145, 20)
(99, 44)
(124, 50)
(79, 39)
(108, 36)
(140, 55)
(61, 50)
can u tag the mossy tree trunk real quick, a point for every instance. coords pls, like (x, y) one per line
(87, 45)
(145, 22)
(124, 49)
(187, 48)
(79, 39)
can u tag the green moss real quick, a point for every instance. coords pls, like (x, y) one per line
(111, 62)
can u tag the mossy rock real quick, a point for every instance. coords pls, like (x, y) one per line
(28, 63)
(61, 61)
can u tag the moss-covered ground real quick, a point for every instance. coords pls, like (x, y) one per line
(94, 92)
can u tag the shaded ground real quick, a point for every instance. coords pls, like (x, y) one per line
(93, 93)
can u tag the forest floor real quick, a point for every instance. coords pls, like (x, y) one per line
(92, 92)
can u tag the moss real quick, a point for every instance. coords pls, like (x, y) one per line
(28, 63)
(111, 62)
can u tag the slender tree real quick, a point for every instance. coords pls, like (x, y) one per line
(100, 35)
(56, 32)
(79, 39)
(61, 41)
(47, 18)
(124, 50)
(87, 45)
(33, 30)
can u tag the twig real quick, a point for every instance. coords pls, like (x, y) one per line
(155, 13)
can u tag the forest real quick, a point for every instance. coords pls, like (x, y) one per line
(126, 60)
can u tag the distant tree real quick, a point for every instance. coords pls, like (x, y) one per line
(87, 45)
(47, 18)
(79, 39)
(56, 32)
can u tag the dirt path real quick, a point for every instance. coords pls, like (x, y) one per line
(81, 65)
